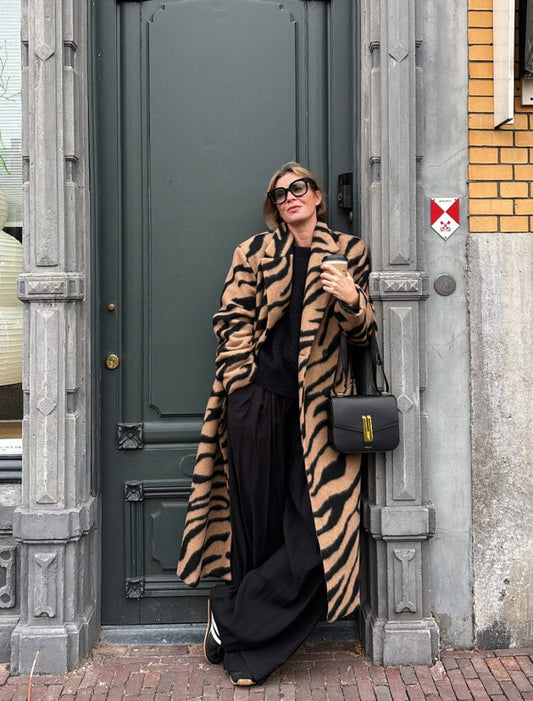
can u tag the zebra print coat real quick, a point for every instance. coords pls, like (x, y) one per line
(255, 296)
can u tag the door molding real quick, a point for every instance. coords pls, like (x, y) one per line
(161, 146)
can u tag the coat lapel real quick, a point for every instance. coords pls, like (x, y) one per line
(276, 266)
(315, 299)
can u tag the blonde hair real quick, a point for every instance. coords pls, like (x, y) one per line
(271, 212)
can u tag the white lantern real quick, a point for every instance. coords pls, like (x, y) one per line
(11, 345)
(10, 269)
(10, 311)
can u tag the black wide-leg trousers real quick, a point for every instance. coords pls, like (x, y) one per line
(278, 592)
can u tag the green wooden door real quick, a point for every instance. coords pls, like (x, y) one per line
(196, 102)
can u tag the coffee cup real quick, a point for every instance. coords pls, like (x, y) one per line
(338, 261)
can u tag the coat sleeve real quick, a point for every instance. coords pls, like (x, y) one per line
(234, 325)
(357, 322)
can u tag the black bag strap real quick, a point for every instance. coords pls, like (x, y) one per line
(375, 357)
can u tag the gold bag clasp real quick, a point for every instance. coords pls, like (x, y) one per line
(368, 431)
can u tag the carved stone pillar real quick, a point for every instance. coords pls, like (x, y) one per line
(397, 517)
(56, 522)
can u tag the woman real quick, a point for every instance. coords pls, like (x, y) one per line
(274, 508)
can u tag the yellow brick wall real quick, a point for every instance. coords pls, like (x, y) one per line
(501, 160)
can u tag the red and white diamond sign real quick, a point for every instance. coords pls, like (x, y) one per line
(445, 215)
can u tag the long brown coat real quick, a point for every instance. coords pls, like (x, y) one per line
(255, 296)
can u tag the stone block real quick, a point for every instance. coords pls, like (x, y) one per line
(61, 648)
(7, 626)
(32, 525)
(501, 282)
(410, 644)
(400, 522)
(10, 496)
(8, 573)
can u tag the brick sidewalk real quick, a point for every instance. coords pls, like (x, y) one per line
(320, 671)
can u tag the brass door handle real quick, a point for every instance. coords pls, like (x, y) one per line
(112, 361)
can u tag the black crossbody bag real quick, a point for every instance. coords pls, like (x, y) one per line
(363, 423)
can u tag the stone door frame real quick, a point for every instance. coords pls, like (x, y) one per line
(57, 523)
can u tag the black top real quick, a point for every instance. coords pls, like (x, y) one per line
(277, 364)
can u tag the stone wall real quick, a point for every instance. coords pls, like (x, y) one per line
(501, 275)
(501, 310)
(443, 173)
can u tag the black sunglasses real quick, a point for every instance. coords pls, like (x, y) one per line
(298, 188)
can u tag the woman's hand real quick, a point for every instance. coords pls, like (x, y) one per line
(340, 285)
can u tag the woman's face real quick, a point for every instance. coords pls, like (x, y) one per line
(298, 210)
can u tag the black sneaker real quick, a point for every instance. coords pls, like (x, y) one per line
(245, 679)
(241, 679)
(213, 650)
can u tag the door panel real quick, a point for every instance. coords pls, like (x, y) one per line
(197, 103)
(202, 170)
